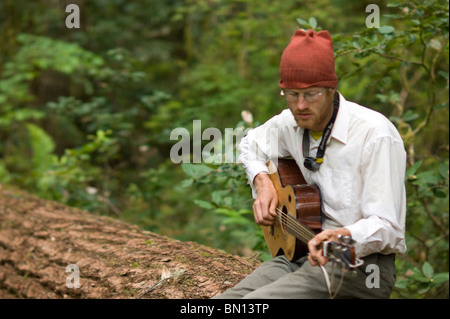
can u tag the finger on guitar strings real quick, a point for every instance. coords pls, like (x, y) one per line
(315, 256)
(273, 207)
(262, 217)
(268, 219)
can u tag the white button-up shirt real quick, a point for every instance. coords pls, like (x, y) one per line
(361, 179)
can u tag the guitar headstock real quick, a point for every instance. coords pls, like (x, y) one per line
(342, 252)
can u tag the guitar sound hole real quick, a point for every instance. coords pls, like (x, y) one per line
(289, 198)
(283, 219)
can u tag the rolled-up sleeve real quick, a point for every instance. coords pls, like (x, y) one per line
(261, 144)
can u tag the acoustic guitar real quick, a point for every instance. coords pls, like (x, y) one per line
(299, 218)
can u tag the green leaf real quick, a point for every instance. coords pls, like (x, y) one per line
(386, 29)
(219, 196)
(313, 22)
(42, 145)
(402, 284)
(428, 178)
(442, 106)
(427, 269)
(409, 116)
(424, 289)
(186, 183)
(443, 170)
(412, 38)
(196, 170)
(233, 217)
(203, 204)
(356, 45)
(440, 278)
(435, 44)
(394, 5)
(412, 170)
(417, 275)
(444, 74)
(301, 21)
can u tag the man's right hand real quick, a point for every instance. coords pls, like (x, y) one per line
(264, 207)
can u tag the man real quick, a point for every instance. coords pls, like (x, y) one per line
(356, 158)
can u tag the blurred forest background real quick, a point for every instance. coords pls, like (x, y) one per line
(86, 114)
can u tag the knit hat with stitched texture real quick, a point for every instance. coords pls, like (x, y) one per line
(308, 60)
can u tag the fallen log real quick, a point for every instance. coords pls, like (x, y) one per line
(48, 250)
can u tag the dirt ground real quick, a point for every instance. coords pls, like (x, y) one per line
(41, 239)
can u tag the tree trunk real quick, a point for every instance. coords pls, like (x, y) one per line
(48, 250)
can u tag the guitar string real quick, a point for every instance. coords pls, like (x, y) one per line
(304, 237)
(295, 226)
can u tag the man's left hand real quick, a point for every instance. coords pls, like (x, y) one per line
(315, 256)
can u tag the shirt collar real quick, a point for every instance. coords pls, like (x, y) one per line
(340, 128)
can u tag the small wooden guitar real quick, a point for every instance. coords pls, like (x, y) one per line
(299, 218)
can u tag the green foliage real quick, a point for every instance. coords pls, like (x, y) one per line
(86, 114)
(427, 214)
(42, 147)
(67, 178)
(422, 281)
(386, 58)
(227, 198)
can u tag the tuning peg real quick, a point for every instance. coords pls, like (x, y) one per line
(347, 240)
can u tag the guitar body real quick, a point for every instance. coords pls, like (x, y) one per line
(301, 201)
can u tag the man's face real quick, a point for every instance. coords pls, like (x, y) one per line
(312, 107)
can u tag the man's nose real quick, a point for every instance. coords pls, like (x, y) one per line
(302, 104)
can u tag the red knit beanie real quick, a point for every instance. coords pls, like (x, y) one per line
(308, 60)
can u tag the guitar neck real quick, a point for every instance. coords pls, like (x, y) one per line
(294, 227)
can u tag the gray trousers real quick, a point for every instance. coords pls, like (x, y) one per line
(281, 278)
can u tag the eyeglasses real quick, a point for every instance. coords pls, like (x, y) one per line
(310, 96)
